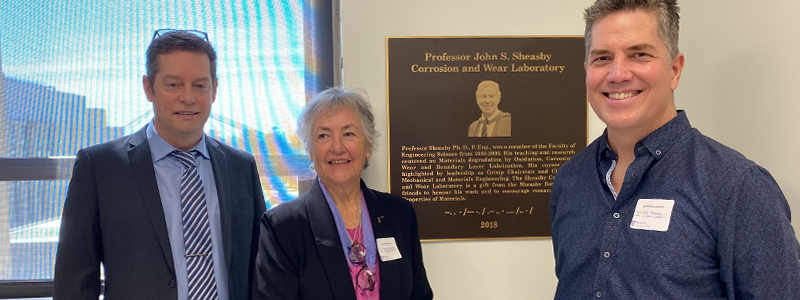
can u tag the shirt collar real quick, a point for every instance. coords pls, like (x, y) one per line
(160, 148)
(491, 118)
(368, 238)
(657, 143)
(605, 151)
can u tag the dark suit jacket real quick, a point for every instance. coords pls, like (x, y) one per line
(113, 215)
(300, 255)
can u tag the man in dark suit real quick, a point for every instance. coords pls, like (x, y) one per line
(169, 212)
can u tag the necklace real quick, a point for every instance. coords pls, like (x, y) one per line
(358, 227)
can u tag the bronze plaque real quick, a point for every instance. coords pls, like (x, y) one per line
(478, 127)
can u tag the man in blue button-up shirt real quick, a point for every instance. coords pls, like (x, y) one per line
(653, 209)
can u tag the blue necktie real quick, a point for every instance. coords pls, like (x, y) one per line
(196, 232)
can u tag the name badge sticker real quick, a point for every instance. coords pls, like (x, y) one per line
(652, 214)
(387, 249)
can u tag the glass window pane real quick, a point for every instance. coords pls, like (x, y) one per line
(71, 77)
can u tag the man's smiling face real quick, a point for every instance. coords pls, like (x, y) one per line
(630, 76)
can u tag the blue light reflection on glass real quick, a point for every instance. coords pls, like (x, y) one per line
(71, 77)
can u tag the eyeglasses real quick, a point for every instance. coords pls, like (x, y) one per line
(365, 279)
(198, 33)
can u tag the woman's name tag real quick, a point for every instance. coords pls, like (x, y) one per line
(387, 249)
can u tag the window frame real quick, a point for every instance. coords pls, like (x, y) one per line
(323, 54)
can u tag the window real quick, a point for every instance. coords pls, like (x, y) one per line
(70, 77)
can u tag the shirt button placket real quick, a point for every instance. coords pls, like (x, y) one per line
(608, 254)
(611, 232)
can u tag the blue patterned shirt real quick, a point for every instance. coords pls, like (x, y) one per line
(729, 234)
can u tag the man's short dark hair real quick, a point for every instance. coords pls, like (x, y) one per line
(178, 40)
(666, 10)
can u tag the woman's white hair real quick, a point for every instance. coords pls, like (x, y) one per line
(331, 100)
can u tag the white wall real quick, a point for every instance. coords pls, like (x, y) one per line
(740, 83)
(741, 67)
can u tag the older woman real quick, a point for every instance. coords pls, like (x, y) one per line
(340, 240)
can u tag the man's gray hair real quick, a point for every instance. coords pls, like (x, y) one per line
(331, 100)
(666, 10)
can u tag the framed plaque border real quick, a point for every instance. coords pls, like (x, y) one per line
(388, 121)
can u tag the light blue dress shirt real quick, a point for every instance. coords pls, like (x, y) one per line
(168, 175)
